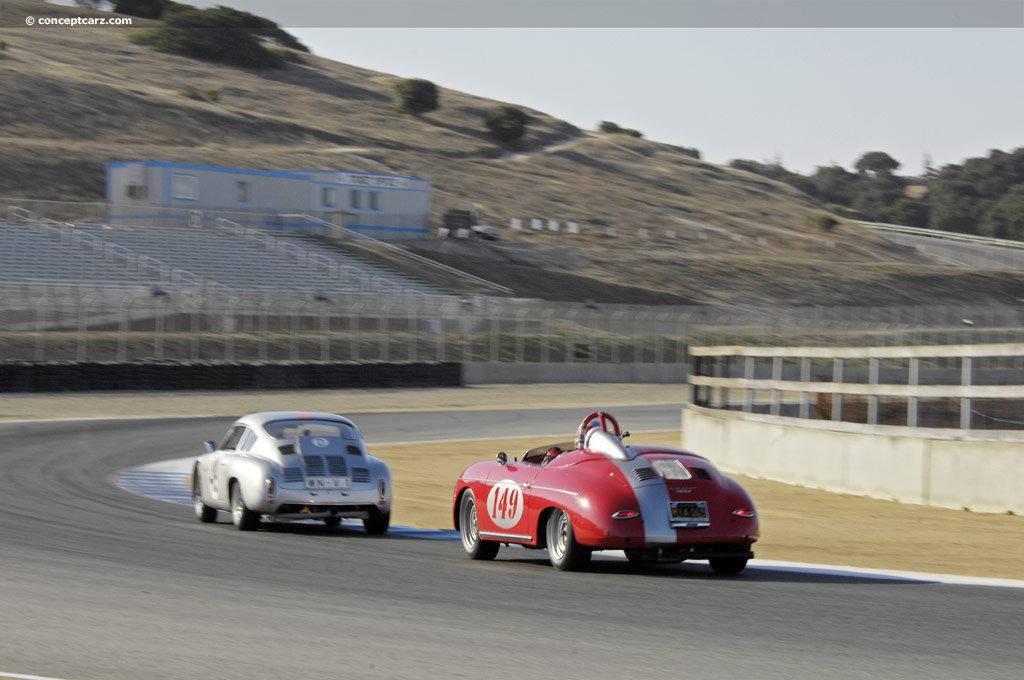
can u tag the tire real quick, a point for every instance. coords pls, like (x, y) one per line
(563, 550)
(204, 513)
(377, 523)
(332, 522)
(476, 547)
(242, 517)
(728, 565)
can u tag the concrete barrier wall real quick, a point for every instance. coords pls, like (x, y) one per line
(76, 376)
(941, 468)
(485, 373)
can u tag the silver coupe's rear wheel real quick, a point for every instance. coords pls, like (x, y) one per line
(563, 550)
(242, 517)
(204, 513)
(475, 547)
(377, 522)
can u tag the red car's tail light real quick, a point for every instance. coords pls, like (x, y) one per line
(626, 514)
(743, 512)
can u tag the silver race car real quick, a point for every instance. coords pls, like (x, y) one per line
(288, 466)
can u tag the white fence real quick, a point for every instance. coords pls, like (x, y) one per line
(935, 425)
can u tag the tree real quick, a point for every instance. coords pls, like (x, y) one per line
(415, 96)
(954, 204)
(909, 212)
(262, 28)
(146, 9)
(875, 194)
(211, 34)
(1005, 219)
(506, 123)
(834, 184)
(876, 163)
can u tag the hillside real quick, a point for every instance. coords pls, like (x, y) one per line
(656, 225)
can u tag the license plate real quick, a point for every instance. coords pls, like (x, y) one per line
(688, 511)
(328, 483)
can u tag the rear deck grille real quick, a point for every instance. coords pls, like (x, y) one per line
(314, 466)
(360, 475)
(644, 474)
(700, 473)
(336, 466)
(292, 474)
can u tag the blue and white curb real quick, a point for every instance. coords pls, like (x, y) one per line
(169, 481)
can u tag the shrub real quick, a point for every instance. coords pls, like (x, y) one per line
(826, 222)
(210, 95)
(506, 123)
(614, 129)
(415, 96)
(3, 45)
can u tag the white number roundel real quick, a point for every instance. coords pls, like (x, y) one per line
(505, 504)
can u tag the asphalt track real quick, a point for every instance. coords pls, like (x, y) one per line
(96, 582)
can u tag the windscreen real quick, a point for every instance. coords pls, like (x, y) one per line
(290, 429)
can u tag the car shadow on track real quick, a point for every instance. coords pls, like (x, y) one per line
(700, 571)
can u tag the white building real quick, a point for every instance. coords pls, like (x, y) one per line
(382, 206)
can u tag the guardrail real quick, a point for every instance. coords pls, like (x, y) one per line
(944, 235)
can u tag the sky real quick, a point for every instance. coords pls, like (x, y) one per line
(804, 96)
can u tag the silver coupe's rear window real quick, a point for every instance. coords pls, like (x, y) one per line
(289, 429)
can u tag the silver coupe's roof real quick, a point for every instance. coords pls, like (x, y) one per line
(262, 418)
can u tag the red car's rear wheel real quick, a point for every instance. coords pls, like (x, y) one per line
(563, 550)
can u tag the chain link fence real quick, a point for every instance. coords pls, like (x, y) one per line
(53, 323)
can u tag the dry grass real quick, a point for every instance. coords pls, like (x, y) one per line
(76, 99)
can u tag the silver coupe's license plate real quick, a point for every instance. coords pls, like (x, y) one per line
(688, 511)
(328, 483)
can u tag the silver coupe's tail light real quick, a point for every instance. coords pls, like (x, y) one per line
(626, 514)
(270, 486)
(383, 491)
(743, 512)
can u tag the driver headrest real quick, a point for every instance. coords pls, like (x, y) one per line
(607, 443)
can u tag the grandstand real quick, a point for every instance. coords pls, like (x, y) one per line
(226, 257)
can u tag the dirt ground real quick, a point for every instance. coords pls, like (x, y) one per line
(797, 524)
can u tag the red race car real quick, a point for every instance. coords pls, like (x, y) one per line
(658, 504)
